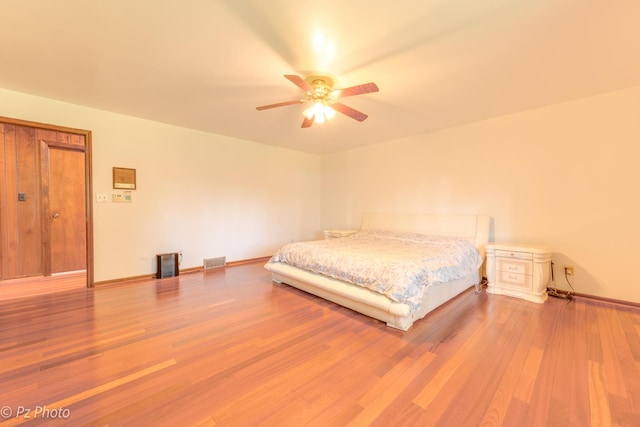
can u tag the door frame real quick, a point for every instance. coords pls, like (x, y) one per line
(88, 187)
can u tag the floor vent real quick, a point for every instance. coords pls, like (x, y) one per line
(218, 262)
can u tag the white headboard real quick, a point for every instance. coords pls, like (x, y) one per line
(475, 228)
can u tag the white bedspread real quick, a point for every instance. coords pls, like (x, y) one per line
(399, 265)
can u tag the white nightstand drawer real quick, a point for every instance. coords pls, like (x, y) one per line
(514, 254)
(513, 265)
(516, 280)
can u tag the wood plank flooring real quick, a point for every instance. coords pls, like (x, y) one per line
(229, 348)
(33, 286)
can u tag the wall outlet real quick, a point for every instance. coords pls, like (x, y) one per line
(568, 270)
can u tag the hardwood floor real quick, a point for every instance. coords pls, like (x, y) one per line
(227, 348)
(33, 286)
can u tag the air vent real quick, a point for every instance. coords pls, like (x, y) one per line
(218, 262)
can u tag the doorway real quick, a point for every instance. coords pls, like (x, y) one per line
(63, 207)
(46, 213)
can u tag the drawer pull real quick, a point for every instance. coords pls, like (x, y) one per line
(513, 277)
(513, 268)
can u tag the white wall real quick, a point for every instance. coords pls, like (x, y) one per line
(207, 195)
(565, 175)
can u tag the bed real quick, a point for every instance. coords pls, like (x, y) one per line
(384, 302)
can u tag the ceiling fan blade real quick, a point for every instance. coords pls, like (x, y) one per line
(358, 90)
(299, 81)
(306, 123)
(348, 111)
(280, 104)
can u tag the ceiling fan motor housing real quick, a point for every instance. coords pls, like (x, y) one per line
(322, 87)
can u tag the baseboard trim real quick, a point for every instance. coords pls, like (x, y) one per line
(188, 270)
(248, 261)
(609, 300)
(125, 279)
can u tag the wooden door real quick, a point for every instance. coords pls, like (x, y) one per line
(63, 178)
(20, 238)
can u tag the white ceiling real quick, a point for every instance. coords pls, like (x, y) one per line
(206, 64)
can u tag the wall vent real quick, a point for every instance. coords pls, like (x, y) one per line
(218, 262)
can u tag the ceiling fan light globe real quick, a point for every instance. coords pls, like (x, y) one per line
(308, 113)
(329, 112)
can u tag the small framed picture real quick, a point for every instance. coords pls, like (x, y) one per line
(124, 178)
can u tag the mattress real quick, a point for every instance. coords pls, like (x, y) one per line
(400, 265)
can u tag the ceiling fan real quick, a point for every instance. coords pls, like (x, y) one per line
(323, 97)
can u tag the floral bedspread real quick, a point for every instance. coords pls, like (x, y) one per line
(399, 265)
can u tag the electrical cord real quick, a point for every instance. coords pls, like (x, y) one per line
(480, 287)
(568, 295)
(569, 282)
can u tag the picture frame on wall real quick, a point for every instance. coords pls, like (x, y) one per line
(124, 178)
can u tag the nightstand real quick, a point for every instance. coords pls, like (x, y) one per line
(518, 270)
(334, 234)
